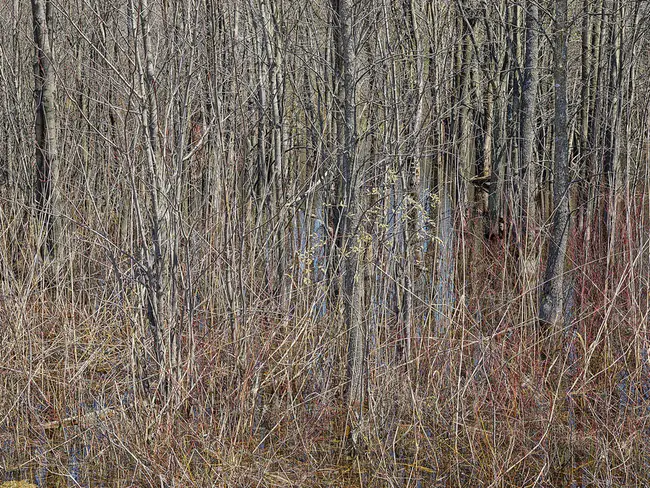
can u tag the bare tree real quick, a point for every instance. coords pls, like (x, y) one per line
(46, 125)
(527, 165)
(350, 211)
(552, 297)
(272, 204)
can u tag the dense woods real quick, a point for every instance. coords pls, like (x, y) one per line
(325, 242)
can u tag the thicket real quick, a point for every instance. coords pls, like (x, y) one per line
(306, 243)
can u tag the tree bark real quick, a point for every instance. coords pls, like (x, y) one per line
(46, 127)
(161, 253)
(551, 302)
(353, 284)
(528, 167)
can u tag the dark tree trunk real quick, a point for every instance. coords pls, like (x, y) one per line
(551, 302)
(353, 286)
(47, 169)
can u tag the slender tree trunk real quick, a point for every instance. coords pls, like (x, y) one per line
(353, 283)
(504, 67)
(528, 167)
(584, 169)
(551, 302)
(161, 253)
(412, 172)
(46, 127)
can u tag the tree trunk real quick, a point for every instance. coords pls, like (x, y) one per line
(528, 167)
(160, 290)
(46, 127)
(551, 302)
(353, 284)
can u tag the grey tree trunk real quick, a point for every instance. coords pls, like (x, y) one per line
(585, 95)
(411, 175)
(551, 301)
(446, 262)
(160, 292)
(353, 284)
(528, 168)
(47, 165)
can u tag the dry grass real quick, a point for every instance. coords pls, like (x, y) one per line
(485, 403)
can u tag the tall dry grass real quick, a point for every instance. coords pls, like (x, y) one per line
(484, 401)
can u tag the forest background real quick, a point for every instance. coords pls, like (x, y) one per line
(325, 243)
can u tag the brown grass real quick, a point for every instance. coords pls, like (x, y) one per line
(486, 403)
